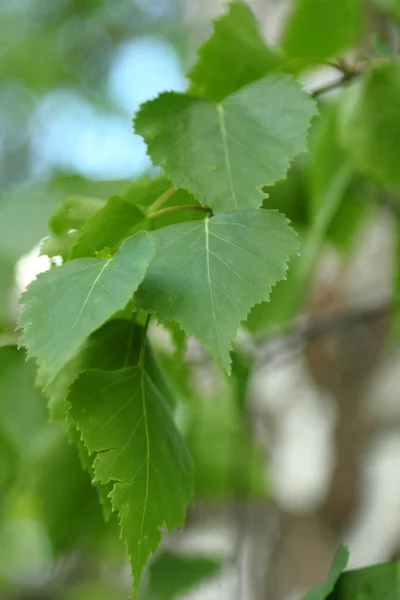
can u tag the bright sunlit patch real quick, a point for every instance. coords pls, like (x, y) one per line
(71, 134)
(28, 267)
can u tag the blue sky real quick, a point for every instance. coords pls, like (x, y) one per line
(68, 132)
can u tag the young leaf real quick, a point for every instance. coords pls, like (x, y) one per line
(23, 220)
(64, 305)
(151, 194)
(223, 153)
(370, 124)
(7, 276)
(73, 213)
(321, 28)
(146, 191)
(170, 575)
(86, 461)
(234, 56)
(67, 502)
(124, 417)
(207, 275)
(392, 6)
(114, 346)
(228, 462)
(23, 415)
(370, 583)
(339, 564)
(107, 227)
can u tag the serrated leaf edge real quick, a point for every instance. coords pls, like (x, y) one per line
(219, 108)
(25, 327)
(285, 267)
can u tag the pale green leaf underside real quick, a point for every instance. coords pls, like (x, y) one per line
(64, 305)
(370, 124)
(107, 227)
(171, 575)
(124, 417)
(321, 28)
(207, 275)
(322, 591)
(223, 153)
(378, 582)
(234, 56)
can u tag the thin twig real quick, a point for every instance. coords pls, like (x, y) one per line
(299, 336)
(346, 78)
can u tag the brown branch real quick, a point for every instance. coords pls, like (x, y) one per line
(346, 78)
(298, 336)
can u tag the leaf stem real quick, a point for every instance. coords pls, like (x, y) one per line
(161, 200)
(176, 208)
(143, 344)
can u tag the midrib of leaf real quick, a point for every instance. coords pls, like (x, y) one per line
(224, 138)
(210, 282)
(91, 292)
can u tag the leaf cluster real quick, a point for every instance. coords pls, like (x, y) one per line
(198, 249)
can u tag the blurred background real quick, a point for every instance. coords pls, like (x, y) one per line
(305, 454)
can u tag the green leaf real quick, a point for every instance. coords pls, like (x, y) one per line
(392, 6)
(65, 223)
(23, 415)
(178, 339)
(73, 213)
(114, 346)
(370, 124)
(6, 289)
(170, 575)
(326, 158)
(228, 462)
(395, 331)
(23, 221)
(124, 417)
(107, 227)
(321, 28)
(58, 245)
(234, 56)
(352, 214)
(330, 173)
(371, 583)
(241, 370)
(64, 495)
(207, 275)
(224, 153)
(274, 314)
(146, 192)
(87, 462)
(290, 196)
(339, 564)
(64, 305)
(8, 463)
(332, 181)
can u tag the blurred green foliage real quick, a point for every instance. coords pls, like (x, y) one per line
(52, 534)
